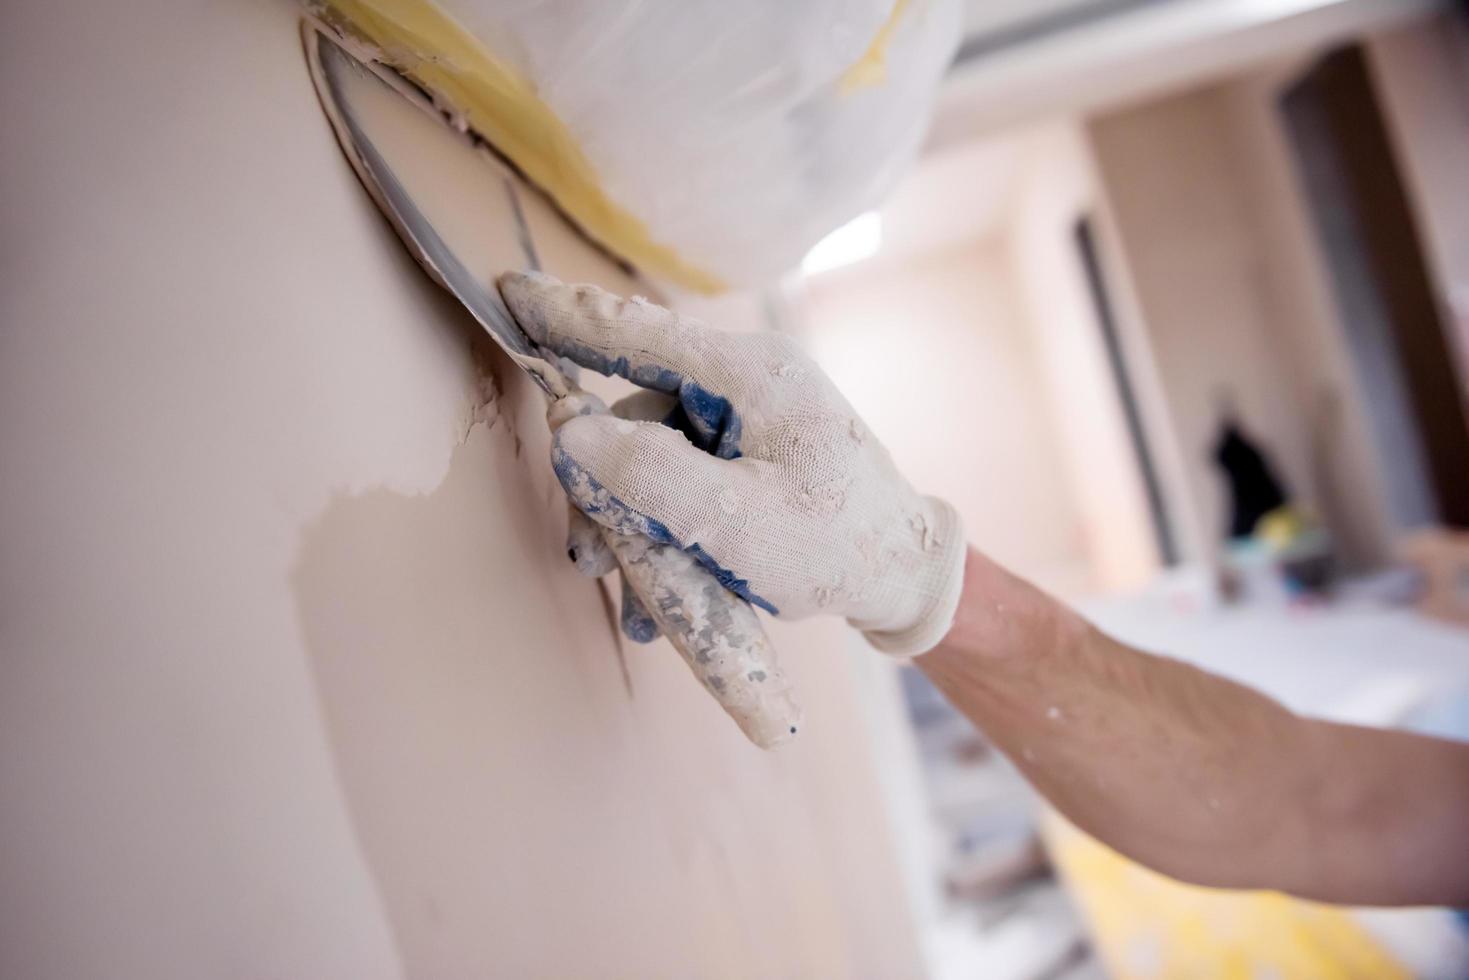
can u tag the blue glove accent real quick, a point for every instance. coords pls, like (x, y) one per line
(636, 622)
(712, 423)
(604, 507)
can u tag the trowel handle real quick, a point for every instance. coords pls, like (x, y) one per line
(717, 633)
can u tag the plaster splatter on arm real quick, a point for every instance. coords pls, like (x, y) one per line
(1196, 776)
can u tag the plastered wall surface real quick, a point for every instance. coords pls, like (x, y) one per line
(294, 677)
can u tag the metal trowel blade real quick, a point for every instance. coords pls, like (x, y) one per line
(345, 84)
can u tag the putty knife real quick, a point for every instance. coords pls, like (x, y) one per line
(717, 633)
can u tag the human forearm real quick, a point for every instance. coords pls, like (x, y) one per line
(763, 472)
(1389, 818)
(1188, 773)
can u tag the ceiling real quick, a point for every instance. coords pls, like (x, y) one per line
(983, 16)
(1026, 62)
(1023, 60)
(994, 25)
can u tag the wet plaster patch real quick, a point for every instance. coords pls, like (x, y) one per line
(447, 642)
(501, 782)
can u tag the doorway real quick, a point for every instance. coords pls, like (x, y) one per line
(1389, 312)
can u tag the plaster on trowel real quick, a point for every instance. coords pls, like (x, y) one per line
(718, 634)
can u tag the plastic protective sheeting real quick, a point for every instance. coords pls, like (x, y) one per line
(711, 144)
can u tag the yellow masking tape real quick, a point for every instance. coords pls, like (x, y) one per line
(872, 67)
(428, 46)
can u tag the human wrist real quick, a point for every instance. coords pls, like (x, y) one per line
(923, 598)
(1002, 619)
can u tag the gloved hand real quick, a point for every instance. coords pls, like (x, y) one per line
(760, 468)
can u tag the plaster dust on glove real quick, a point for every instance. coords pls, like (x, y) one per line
(722, 641)
(764, 474)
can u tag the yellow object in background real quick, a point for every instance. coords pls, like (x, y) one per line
(1146, 926)
(1283, 526)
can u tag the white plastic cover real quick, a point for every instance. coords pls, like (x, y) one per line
(739, 133)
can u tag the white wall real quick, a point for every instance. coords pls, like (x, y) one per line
(1100, 461)
(936, 353)
(295, 679)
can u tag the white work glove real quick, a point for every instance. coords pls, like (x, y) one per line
(760, 469)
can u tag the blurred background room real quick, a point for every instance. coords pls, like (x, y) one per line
(1200, 274)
